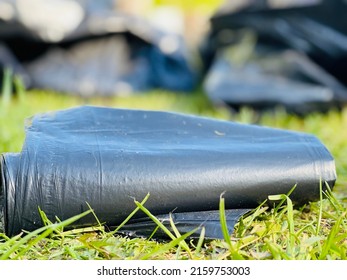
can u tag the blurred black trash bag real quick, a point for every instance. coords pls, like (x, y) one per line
(107, 157)
(264, 55)
(87, 48)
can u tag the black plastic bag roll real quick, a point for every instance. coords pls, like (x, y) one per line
(109, 157)
(266, 54)
(94, 49)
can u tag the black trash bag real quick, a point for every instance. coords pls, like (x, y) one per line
(109, 157)
(296, 59)
(92, 50)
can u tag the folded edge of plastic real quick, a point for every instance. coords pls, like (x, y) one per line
(108, 157)
(186, 222)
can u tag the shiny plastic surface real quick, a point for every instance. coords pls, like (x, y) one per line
(107, 157)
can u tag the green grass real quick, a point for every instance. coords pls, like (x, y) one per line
(315, 231)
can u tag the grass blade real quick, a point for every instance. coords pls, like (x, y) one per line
(131, 215)
(329, 242)
(200, 241)
(319, 221)
(175, 230)
(6, 91)
(160, 224)
(223, 221)
(290, 219)
(19, 88)
(224, 228)
(284, 199)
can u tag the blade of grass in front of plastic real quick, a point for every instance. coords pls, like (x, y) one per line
(319, 221)
(131, 215)
(290, 219)
(224, 228)
(158, 223)
(178, 234)
(200, 241)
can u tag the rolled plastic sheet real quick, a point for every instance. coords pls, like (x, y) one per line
(267, 81)
(296, 58)
(95, 49)
(108, 157)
